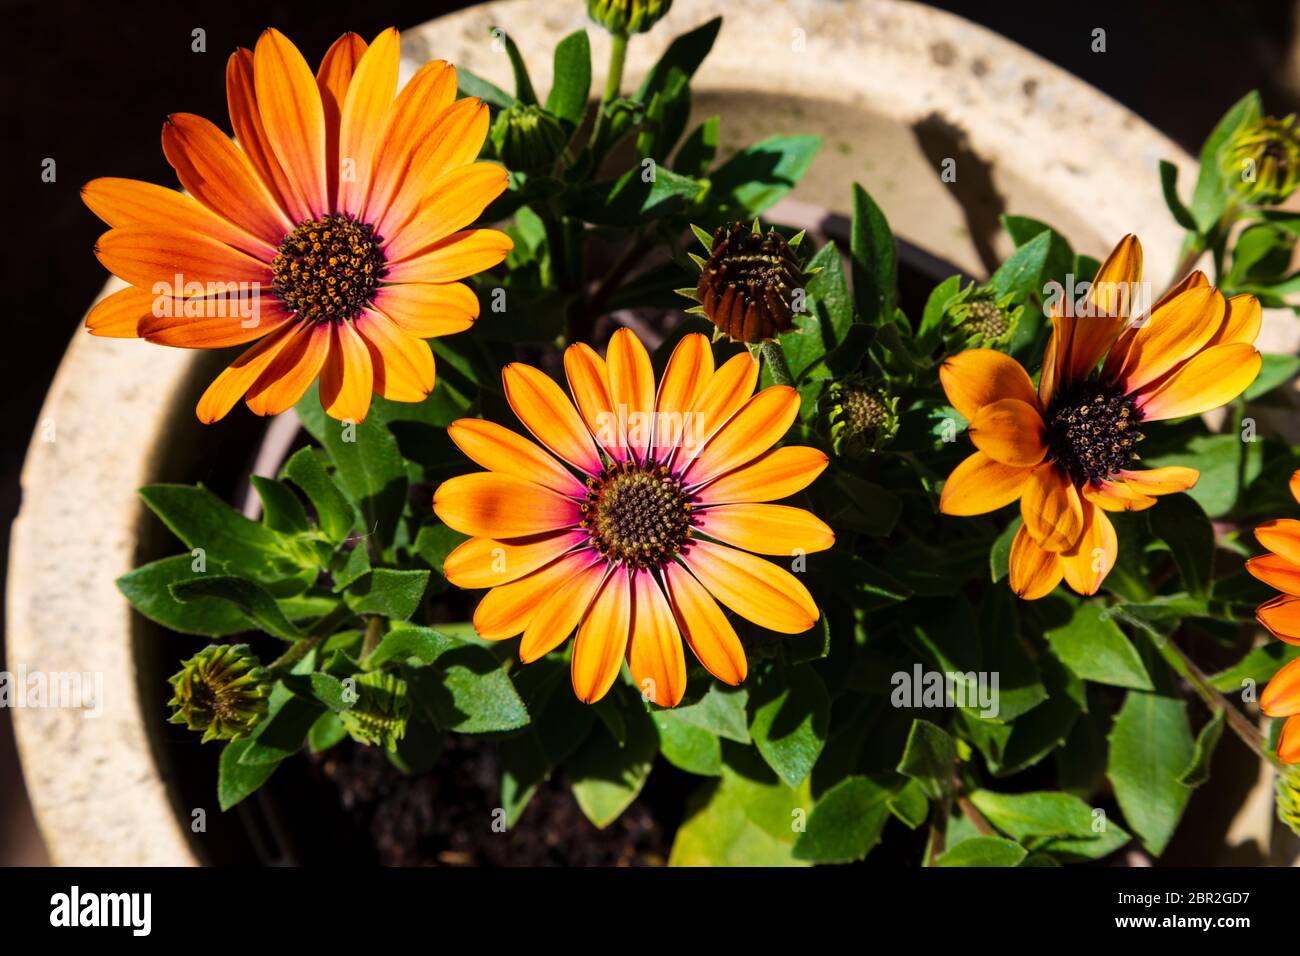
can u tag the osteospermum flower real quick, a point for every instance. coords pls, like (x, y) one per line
(333, 233)
(640, 509)
(1280, 568)
(1068, 449)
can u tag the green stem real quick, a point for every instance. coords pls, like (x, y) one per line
(304, 645)
(774, 356)
(613, 82)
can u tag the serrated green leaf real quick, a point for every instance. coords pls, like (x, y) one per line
(394, 594)
(789, 719)
(253, 601)
(148, 588)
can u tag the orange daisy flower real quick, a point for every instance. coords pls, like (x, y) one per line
(1280, 568)
(642, 507)
(333, 234)
(1067, 450)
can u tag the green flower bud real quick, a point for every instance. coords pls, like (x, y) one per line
(527, 138)
(981, 318)
(222, 691)
(624, 17)
(1261, 161)
(378, 716)
(858, 416)
(1288, 799)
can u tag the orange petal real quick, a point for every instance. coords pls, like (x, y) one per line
(1214, 377)
(766, 529)
(1111, 298)
(980, 485)
(154, 257)
(414, 117)
(1117, 496)
(219, 176)
(459, 255)
(230, 386)
(562, 610)
(685, 377)
(1282, 537)
(212, 323)
(710, 635)
(488, 562)
(588, 380)
(1281, 698)
(403, 365)
(501, 450)
(246, 121)
(1281, 615)
(754, 429)
(428, 311)
(602, 639)
(754, 588)
(507, 610)
(1051, 508)
(333, 76)
(1173, 333)
(655, 656)
(292, 118)
(979, 377)
(632, 386)
(489, 505)
(771, 476)
(725, 394)
(1241, 322)
(547, 412)
(1288, 744)
(1048, 374)
(1160, 481)
(1086, 564)
(1276, 572)
(1294, 485)
(1011, 432)
(347, 380)
(128, 202)
(119, 315)
(1118, 351)
(454, 139)
(364, 118)
(455, 201)
(1034, 573)
(285, 380)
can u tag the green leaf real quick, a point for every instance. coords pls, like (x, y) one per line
(606, 777)
(1023, 816)
(789, 721)
(932, 318)
(846, 823)
(572, 78)
(1092, 645)
(235, 779)
(284, 730)
(1169, 185)
(696, 154)
(254, 602)
(349, 566)
(909, 804)
(721, 711)
(757, 177)
(1181, 523)
(1078, 849)
(281, 509)
(1198, 771)
(1151, 747)
(468, 691)
(929, 758)
(826, 323)
(1256, 667)
(470, 84)
(1219, 460)
(394, 594)
(1211, 191)
(524, 92)
(148, 588)
(1020, 686)
(875, 260)
(685, 53)
(202, 520)
(1060, 256)
(1000, 553)
(1020, 275)
(688, 746)
(334, 515)
(406, 643)
(1277, 370)
(326, 732)
(983, 851)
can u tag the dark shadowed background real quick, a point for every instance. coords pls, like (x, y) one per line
(88, 84)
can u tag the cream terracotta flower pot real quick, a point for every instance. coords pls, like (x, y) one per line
(893, 88)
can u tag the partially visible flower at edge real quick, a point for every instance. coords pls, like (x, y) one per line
(1067, 449)
(627, 16)
(1261, 161)
(640, 510)
(1280, 569)
(343, 208)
